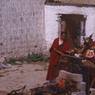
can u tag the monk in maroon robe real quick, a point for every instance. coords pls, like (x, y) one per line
(62, 45)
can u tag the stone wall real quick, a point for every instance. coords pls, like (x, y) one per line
(21, 27)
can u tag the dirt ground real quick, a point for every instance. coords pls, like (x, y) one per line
(32, 75)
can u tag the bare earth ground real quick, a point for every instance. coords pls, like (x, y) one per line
(31, 75)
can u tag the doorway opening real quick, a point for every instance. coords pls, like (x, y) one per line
(75, 24)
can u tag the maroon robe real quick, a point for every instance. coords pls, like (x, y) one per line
(54, 57)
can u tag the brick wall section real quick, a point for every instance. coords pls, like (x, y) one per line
(21, 27)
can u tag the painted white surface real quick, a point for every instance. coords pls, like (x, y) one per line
(51, 25)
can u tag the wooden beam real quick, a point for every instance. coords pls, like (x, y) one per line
(69, 4)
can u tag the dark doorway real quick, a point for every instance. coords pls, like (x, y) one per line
(75, 27)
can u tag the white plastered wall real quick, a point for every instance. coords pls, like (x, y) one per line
(51, 17)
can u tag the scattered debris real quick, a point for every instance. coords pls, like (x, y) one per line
(4, 66)
(18, 91)
(38, 69)
(55, 88)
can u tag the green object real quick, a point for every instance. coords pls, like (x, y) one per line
(12, 61)
(37, 57)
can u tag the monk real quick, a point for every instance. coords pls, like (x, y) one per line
(62, 45)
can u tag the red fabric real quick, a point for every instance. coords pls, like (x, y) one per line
(54, 57)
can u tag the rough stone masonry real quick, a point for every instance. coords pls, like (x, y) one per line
(21, 27)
